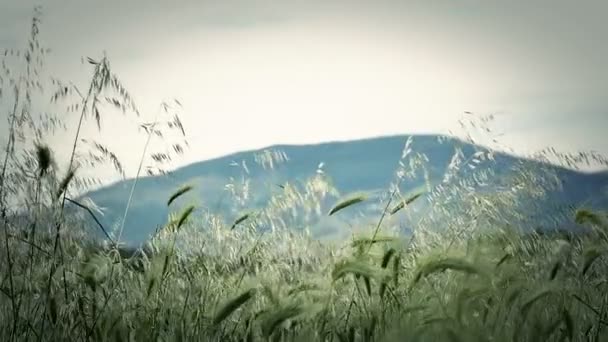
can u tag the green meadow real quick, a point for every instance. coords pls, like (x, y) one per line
(469, 269)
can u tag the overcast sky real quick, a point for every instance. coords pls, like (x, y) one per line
(255, 73)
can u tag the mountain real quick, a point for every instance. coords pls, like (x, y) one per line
(367, 165)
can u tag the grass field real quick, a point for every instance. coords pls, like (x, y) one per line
(204, 279)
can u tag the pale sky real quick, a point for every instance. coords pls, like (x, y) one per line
(256, 73)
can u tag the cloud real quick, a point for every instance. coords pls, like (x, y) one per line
(255, 73)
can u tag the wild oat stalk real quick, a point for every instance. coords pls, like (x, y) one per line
(152, 130)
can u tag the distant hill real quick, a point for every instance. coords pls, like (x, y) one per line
(367, 165)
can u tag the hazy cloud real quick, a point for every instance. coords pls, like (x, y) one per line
(252, 73)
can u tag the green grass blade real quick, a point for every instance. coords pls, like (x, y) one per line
(232, 305)
(405, 203)
(184, 216)
(347, 203)
(239, 220)
(181, 191)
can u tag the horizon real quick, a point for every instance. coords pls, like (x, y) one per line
(597, 170)
(583, 168)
